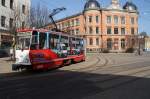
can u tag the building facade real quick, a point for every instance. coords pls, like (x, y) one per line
(112, 28)
(12, 13)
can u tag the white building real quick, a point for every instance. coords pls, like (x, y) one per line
(11, 12)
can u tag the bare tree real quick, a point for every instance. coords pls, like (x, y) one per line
(39, 16)
(18, 20)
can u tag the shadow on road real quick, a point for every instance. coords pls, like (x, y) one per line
(59, 84)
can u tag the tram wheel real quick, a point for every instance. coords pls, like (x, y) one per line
(67, 62)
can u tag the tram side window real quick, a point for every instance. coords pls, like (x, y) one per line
(53, 41)
(64, 42)
(73, 44)
(42, 41)
(79, 45)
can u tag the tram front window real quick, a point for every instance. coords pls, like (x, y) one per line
(23, 43)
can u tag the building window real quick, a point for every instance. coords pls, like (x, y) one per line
(63, 25)
(97, 30)
(90, 19)
(91, 41)
(115, 30)
(116, 19)
(72, 32)
(132, 31)
(132, 20)
(90, 30)
(97, 19)
(108, 30)
(97, 41)
(23, 9)
(108, 19)
(122, 31)
(72, 23)
(3, 2)
(11, 4)
(109, 44)
(3, 19)
(77, 31)
(123, 43)
(68, 24)
(11, 23)
(123, 20)
(77, 22)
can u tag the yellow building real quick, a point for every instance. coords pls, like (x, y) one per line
(112, 28)
(147, 43)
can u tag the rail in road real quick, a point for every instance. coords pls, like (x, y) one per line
(125, 73)
(104, 84)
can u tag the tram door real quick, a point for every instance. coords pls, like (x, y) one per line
(64, 44)
(43, 41)
(54, 42)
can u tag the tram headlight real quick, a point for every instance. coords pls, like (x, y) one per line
(17, 60)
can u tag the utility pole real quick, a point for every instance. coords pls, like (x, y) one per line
(140, 38)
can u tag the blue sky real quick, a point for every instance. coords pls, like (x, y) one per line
(75, 6)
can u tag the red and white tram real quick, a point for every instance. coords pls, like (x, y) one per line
(43, 49)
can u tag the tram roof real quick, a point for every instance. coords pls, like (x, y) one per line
(47, 31)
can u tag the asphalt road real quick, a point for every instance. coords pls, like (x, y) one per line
(120, 77)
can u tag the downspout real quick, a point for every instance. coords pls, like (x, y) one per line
(101, 30)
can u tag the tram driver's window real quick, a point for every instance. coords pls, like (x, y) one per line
(42, 40)
(34, 44)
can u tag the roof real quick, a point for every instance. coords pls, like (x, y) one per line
(91, 4)
(130, 6)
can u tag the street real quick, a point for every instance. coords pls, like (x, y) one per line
(102, 76)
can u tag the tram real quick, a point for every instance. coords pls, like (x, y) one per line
(44, 49)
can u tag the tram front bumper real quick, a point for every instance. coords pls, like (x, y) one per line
(16, 67)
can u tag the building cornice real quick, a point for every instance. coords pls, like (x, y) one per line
(122, 10)
(101, 9)
(72, 16)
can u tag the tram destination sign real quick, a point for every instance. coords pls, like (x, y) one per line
(24, 34)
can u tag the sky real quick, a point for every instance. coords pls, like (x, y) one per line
(76, 6)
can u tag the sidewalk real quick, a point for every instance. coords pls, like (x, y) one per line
(5, 65)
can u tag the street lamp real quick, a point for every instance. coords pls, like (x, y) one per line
(140, 37)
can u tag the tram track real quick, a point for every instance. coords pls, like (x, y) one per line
(94, 65)
(123, 81)
(128, 72)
